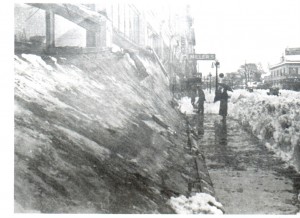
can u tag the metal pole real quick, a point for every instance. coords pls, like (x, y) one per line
(216, 65)
(206, 83)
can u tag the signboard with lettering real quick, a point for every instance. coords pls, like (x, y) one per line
(292, 51)
(202, 56)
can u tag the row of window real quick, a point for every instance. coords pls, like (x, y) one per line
(282, 71)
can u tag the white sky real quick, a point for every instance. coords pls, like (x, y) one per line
(236, 31)
(255, 31)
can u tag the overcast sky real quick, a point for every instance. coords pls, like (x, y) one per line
(256, 31)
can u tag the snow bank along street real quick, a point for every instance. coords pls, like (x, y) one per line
(273, 119)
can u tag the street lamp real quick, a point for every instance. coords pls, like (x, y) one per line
(217, 65)
(207, 86)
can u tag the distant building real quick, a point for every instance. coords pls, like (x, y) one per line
(286, 74)
(234, 79)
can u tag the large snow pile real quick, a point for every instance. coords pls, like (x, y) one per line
(200, 203)
(85, 137)
(273, 119)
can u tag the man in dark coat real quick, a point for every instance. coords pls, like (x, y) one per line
(223, 103)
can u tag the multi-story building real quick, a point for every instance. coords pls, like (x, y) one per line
(286, 74)
(167, 31)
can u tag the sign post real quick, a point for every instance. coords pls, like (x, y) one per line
(216, 64)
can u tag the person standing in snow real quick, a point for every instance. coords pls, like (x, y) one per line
(223, 103)
(201, 101)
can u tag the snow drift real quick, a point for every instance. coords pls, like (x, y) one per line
(273, 119)
(97, 133)
(201, 203)
(85, 137)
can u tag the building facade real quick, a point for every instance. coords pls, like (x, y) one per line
(286, 74)
(168, 31)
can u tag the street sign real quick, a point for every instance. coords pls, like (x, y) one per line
(202, 56)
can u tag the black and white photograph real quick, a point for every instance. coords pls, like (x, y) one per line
(154, 107)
